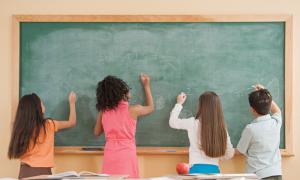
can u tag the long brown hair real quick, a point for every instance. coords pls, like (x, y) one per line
(213, 134)
(29, 122)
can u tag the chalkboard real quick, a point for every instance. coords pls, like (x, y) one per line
(58, 57)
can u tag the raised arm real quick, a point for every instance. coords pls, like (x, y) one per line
(145, 80)
(141, 110)
(174, 120)
(72, 115)
(275, 108)
(98, 129)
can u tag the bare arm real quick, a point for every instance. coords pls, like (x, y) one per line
(72, 115)
(149, 100)
(98, 129)
(174, 120)
(141, 110)
(275, 108)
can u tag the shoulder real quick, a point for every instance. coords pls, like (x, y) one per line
(190, 124)
(49, 122)
(197, 121)
(249, 129)
(134, 109)
(277, 116)
(193, 122)
(51, 125)
(135, 106)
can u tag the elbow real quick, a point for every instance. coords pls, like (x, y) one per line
(228, 154)
(231, 154)
(151, 108)
(172, 121)
(236, 152)
(73, 123)
(97, 133)
(171, 124)
(279, 111)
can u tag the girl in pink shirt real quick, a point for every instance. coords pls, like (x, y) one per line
(117, 119)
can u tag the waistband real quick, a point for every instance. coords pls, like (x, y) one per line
(120, 140)
(24, 164)
(204, 169)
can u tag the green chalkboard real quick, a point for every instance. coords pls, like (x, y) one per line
(192, 57)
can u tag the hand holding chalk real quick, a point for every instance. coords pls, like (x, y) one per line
(145, 79)
(258, 87)
(181, 98)
(72, 97)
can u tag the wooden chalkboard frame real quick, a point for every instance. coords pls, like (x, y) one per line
(287, 19)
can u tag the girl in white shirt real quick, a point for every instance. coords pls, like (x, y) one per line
(209, 140)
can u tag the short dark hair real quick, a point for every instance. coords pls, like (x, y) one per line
(260, 101)
(110, 91)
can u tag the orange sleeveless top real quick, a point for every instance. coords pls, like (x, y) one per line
(42, 154)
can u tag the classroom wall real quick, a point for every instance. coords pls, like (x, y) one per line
(149, 165)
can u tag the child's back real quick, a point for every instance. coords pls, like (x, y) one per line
(209, 140)
(118, 124)
(118, 121)
(119, 129)
(260, 140)
(193, 127)
(42, 154)
(32, 138)
(263, 154)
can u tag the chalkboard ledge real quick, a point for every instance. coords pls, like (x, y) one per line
(140, 150)
(98, 150)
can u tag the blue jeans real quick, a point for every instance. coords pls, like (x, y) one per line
(204, 169)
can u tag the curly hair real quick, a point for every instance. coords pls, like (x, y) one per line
(110, 91)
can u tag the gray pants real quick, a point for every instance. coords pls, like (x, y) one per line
(273, 178)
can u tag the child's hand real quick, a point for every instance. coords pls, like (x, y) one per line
(145, 79)
(181, 98)
(258, 87)
(72, 97)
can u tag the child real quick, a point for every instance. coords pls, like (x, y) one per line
(260, 139)
(209, 140)
(118, 121)
(32, 138)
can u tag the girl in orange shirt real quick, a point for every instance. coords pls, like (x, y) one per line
(32, 138)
